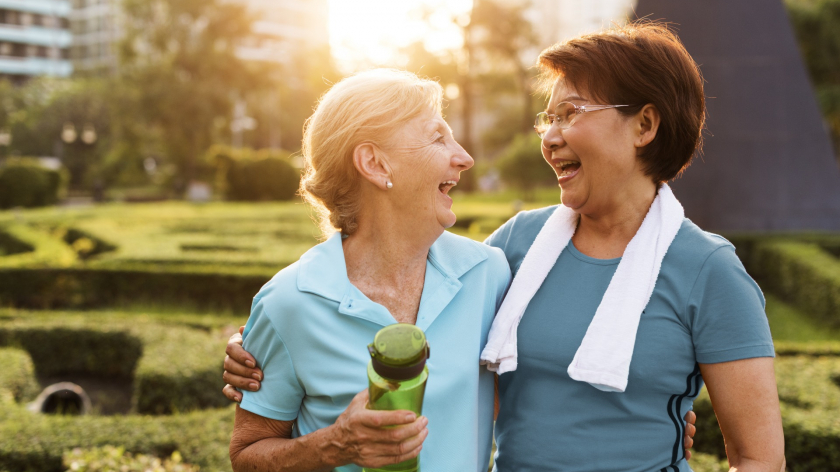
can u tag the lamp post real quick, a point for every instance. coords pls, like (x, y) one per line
(87, 139)
(5, 141)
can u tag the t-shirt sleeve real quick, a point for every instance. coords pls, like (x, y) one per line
(500, 237)
(281, 393)
(726, 312)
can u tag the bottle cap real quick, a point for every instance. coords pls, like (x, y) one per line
(399, 351)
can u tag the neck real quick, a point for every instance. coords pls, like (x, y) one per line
(605, 233)
(386, 250)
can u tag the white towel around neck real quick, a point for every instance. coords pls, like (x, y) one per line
(603, 358)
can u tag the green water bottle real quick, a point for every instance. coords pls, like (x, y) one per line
(397, 376)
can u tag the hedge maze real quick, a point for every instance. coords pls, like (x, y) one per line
(146, 296)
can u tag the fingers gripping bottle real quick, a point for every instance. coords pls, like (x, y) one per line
(397, 376)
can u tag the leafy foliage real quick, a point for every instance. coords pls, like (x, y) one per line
(25, 183)
(522, 166)
(17, 377)
(175, 368)
(801, 272)
(110, 458)
(817, 27)
(249, 175)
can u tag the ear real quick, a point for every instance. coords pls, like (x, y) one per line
(372, 164)
(647, 125)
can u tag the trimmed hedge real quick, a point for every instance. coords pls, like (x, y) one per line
(251, 175)
(810, 398)
(175, 368)
(800, 272)
(195, 286)
(17, 377)
(26, 183)
(37, 442)
(47, 250)
(110, 458)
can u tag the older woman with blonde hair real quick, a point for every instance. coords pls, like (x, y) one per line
(380, 161)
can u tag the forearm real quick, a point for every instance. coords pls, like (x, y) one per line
(749, 465)
(314, 452)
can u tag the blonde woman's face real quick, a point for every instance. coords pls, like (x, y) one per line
(426, 164)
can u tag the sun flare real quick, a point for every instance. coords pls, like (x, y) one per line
(371, 32)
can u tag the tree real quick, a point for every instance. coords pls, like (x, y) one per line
(817, 27)
(522, 166)
(505, 34)
(179, 56)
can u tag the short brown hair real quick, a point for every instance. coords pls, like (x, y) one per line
(637, 64)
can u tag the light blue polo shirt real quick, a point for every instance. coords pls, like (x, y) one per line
(309, 329)
(704, 309)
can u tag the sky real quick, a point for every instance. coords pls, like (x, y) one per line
(370, 32)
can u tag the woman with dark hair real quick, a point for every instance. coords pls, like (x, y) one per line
(620, 308)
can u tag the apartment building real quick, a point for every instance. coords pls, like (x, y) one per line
(96, 28)
(284, 28)
(34, 39)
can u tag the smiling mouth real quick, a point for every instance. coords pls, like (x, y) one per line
(445, 187)
(566, 168)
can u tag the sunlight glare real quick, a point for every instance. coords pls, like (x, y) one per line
(364, 33)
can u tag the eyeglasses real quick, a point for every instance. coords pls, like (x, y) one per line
(566, 115)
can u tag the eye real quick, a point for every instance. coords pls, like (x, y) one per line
(440, 138)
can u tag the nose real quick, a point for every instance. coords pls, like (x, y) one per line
(462, 159)
(553, 138)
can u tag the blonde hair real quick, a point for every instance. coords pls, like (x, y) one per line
(365, 107)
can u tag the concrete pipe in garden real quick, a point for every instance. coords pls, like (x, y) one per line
(64, 398)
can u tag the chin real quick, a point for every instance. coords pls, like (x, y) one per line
(447, 221)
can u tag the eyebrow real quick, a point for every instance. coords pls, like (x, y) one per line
(566, 99)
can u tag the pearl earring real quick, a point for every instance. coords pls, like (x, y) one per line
(389, 184)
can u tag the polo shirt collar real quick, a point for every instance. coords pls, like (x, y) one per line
(323, 272)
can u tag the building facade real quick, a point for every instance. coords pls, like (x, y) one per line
(284, 28)
(96, 28)
(34, 38)
(558, 20)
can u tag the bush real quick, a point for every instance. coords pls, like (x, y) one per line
(111, 458)
(522, 166)
(802, 273)
(810, 396)
(25, 183)
(248, 175)
(36, 442)
(47, 250)
(195, 286)
(17, 377)
(175, 368)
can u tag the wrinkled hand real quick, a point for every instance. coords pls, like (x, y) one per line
(690, 429)
(371, 438)
(241, 370)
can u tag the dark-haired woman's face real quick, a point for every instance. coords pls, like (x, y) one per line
(595, 159)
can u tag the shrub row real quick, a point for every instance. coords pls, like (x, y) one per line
(46, 249)
(802, 273)
(175, 368)
(810, 398)
(110, 458)
(26, 183)
(249, 175)
(17, 376)
(86, 287)
(37, 442)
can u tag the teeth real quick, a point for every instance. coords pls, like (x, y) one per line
(450, 182)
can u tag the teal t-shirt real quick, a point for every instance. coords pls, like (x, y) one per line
(704, 308)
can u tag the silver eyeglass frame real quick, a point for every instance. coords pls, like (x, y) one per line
(579, 110)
